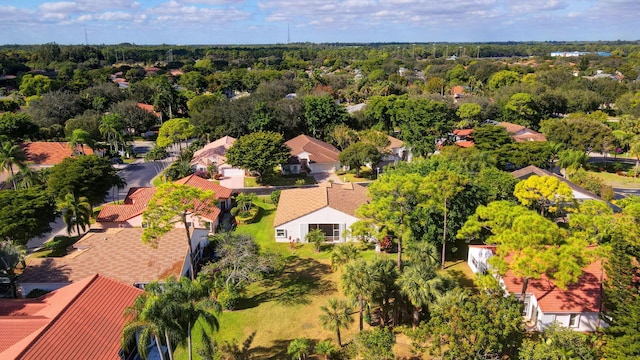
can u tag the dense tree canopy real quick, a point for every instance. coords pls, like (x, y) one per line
(259, 152)
(25, 214)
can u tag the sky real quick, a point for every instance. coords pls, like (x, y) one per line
(280, 21)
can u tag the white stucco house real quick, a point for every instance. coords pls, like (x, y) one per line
(577, 307)
(311, 155)
(214, 153)
(330, 208)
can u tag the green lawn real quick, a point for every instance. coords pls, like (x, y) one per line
(618, 181)
(280, 180)
(287, 306)
(56, 247)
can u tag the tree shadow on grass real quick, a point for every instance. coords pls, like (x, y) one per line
(262, 212)
(300, 280)
(278, 350)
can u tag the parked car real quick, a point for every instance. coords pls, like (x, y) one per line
(116, 160)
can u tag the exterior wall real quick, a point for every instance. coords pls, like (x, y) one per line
(28, 287)
(478, 259)
(199, 240)
(587, 321)
(199, 223)
(295, 229)
(290, 169)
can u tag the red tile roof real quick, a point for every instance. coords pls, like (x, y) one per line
(80, 321)
(220, 192)
(464, 143)
(462, 132)
(134, 204)
(148, 108)
(319, 151)
(49, 153)
(583, 296)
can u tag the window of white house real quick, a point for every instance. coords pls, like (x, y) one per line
(525, 308)
(281, 232)
(574, 320)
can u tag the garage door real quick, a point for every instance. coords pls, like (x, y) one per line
(232, 172)
(323, 168)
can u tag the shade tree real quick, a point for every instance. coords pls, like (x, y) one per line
(259, 152)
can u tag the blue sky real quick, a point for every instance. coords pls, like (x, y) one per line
(266, 21)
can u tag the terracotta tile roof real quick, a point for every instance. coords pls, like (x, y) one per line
(134, 204)
(213, 152)
(465, 143)
(148, 108)
(529, 137)
(295, 203)
(79, 321)
(220, 192)
(462, 132)
(458, 89)
(511, 128)
(49, 153)
(583, 296)
(520, 133)
(319, 151)
(117, 253)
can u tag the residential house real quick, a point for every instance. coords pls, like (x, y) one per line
(129, 213)
(330, 208)
(119, 254)
(521, 133)
(463, 137)
(577, 307)
(214, 154)
(149, 108)
(83, 320)
(579, 193)
(41, 154)
(311, 155)
(395, 151)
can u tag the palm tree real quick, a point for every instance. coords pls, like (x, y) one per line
(11, 255)
(76, 211)
(336, 315)
(315, 236)
(571, 160)
(245, 201)
(325, 348)
(343, 253)
(385, 273)
(358, 282)
(422, 286)
(111, 128)
(145, 324)
(193, 302)
(12, 155)
(299, 348)
(80, 137)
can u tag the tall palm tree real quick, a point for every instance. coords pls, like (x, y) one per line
(82, 138)
(193, 302)
(144, 325)
(336, 315)
(12, 155)
(111, 128)
(342, 254)
(76, 211)
(386, 275)
(422, 286)
(359, 283)
(11, 255)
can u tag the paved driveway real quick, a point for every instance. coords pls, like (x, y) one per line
(325, 177)
(233, 182)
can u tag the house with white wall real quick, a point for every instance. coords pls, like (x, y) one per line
(329, 208)
(577, 307)
(311, 155)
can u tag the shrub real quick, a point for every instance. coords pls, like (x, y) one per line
(37, 293)
(228, 299)
(315, 236)
(275, 196)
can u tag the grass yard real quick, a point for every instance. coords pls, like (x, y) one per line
(617, 181)
(56, 247)
(279, 180)
(287, 306)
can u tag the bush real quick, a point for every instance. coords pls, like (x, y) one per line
(246, 217)
(228, 299)
(275, 196)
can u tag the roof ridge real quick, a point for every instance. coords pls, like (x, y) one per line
(58, 315)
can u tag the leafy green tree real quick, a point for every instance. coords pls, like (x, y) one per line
(394, 200)
(358, 154)
(469, 114)
(34, 85)
(544, 193)
(76, 212)
(491, 137)
(375, 344)
(259, 152)
(521, 109)
(571, 160)
(17, 127)
(439, 188)
(55, 108)
(558, 343)
(321, 113)
(503, 78)
(336, 315)
(486, 326)
(133, 117)
(11, 155)
(299, 348)
(12, 255)
(583, 134)
(170, 205)
(342, 136)
(25, 214)
(421, 122)
(175, 131)
(87, 176)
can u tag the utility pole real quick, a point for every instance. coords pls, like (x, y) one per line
(478, 56)
(86, 39)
